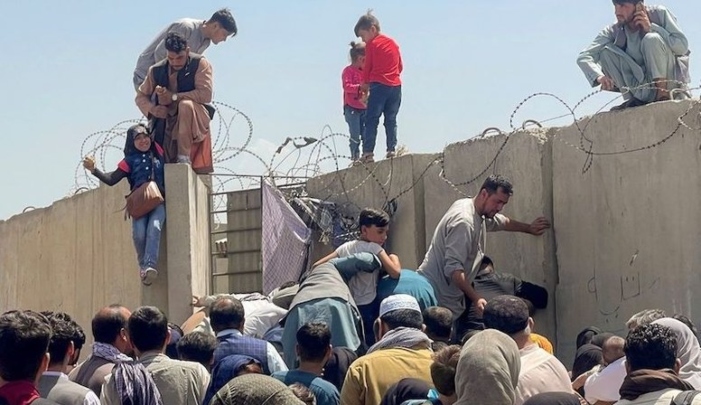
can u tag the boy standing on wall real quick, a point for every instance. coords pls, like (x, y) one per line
(381, 77)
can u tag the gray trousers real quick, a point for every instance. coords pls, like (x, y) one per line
(626, 73)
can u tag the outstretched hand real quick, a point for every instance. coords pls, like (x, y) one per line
(538, 226)
(196, 301)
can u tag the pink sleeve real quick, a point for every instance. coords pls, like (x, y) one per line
(159, 149)
(350, 86)
(123, 166)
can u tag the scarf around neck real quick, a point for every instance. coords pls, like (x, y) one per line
(641, 382)
(109, 353)
(402, 337)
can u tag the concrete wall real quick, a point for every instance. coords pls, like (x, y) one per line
(372, 186)
(525, 160)
(627, 230)
(77, 255)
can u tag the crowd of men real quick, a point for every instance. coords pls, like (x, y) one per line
(359, 328)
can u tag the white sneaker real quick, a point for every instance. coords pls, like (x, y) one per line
(148, 276)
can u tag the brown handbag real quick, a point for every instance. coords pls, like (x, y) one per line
(145, 198)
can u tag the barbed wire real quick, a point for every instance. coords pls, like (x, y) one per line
(299, 158)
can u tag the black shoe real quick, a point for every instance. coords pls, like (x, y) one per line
(633, 102)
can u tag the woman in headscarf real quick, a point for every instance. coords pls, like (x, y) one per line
(488, 370)
(586, 358)
(688, 351)
(585, 336)
(255, 389)
(555, 398)
(143, 162)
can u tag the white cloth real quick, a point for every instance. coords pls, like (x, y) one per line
(363, 286)
(663, 397)
(540, 372)
(261, 314)
(688, 351)
(605, 383)
(90, 397)
(275, 362)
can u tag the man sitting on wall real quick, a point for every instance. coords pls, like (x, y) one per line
(644, 55)
(174, 97)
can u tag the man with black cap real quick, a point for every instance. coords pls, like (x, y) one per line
(644, 56)
(540, 370)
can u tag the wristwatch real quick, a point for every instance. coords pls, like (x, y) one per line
(174, 97)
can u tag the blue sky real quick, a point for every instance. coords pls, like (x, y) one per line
(68, 66)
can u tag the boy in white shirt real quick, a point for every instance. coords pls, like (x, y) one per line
(374, 227)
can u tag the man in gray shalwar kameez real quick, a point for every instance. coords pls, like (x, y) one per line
(199, 34)
(645, 55)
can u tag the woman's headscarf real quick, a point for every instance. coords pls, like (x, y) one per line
(601, 338)
(688, 351)
(132, 132)
(585, 359)
(586, 335)
(488, 370)
(554, 398)
(255, 389)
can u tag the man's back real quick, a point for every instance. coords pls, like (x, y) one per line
(91, 373)
(57, 387)
(370, 376)
(236, 343)
(179, 382)
(540, 372)
(662, 397)
(325, 392)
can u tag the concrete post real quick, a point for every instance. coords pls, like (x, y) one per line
(187, 240)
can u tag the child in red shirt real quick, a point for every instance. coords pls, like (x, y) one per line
(381, 76)
(354, 101)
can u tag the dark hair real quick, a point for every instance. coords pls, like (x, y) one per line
(314, 340)
(62, 334)
(303, 393)
(24, 339)
(148, 328)
(175, 42)
(357, 50)
(79, 338)
(529, 304)
(686, 321)
(198, 347)
(438, 321)
(371, 216)
(445, 362)
(468, 335)
(108, 323)
(507, 314)
(407, 318)
(365, 22)
(226, 313)
(651, 346)
(495, 182)
(225, 20)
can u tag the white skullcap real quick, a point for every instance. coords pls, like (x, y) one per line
(399, 301)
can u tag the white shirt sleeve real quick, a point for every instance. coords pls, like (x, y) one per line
(275, 362)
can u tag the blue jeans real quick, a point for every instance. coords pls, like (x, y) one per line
(356, 125)
(146, 232)
(385, 100)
